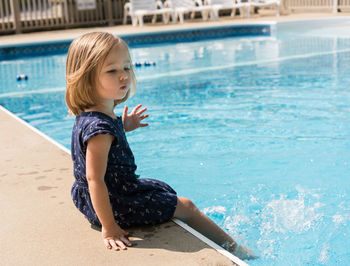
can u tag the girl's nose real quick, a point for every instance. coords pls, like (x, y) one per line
(123, 77)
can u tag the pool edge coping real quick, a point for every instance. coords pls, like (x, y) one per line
(141, 34)
(164, 30)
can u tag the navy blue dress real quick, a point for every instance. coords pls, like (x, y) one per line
(134, 201)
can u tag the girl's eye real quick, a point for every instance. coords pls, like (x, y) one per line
(111, 71)
(127, 69)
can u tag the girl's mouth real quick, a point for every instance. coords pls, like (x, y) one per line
(123, 87)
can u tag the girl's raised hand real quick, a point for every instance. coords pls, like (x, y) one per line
(133, 120)
(115, 238)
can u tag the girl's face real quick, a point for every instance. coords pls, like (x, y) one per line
(113, 80)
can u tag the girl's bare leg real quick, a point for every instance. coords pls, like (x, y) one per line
(189, 213)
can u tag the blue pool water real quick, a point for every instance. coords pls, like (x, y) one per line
(255, 130)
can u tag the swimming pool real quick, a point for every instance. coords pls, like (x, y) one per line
(255, 130)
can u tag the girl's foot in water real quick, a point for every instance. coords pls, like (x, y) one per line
(240, 251)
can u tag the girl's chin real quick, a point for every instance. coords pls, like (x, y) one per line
(121, 95)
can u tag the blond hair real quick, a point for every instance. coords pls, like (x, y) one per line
(85, 55)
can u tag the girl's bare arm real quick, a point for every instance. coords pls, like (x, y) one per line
(96, 165)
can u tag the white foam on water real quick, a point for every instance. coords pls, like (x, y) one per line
(290, 215)
(324, 255)
(283, 216)
(215, 209)
(341, 219)
(232, 223)
(338, 219)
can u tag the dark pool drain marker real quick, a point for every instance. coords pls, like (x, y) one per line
(145, 63)
(22, 77)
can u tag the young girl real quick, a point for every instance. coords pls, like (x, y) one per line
(99, 76)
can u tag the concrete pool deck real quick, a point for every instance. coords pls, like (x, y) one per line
(40, 225)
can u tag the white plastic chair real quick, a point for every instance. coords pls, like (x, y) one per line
(218, 5)
(181, 7)
(136, 9)
(264, 3)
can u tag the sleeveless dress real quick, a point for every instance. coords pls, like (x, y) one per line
(134, 201)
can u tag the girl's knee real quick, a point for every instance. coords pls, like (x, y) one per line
(185, 208)
(186, 203)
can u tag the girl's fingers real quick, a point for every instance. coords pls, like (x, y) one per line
(125, 110)
(136, 108)
(143, 117)
(143, 125)
(120, 243)
(113, 244)
(107, 244)
(142, 111)
(126, 241)
(117, 243)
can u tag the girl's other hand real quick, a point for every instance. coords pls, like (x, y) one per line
(133, 120)
(115, 238)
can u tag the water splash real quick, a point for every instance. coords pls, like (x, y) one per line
(283, 217)
(290, 215)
